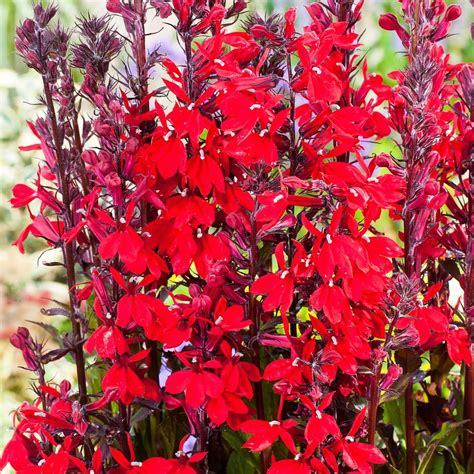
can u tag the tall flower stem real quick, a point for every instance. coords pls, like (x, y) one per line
(467, 81)
(254, 317)
(468, 440)
(67, 250)
(374, 396)
(292, 157)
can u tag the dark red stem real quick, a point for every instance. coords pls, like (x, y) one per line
(67, 249)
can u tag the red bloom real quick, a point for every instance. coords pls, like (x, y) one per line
(196, 383)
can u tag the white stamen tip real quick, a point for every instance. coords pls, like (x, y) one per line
(316, 69)
(350, 439)
(373, 180)
(136, 463)
(218, 320)
(202, 155)
(191, 106)
(284, 274)
(329, 238)
(108, 316)
(318, 415)
(334, 340)
(43, 461)
(184, 192)
(167, 136)
(331, 283)
(199, 233)
(219, 61)
(263, 132)
(122, 220)
(255, 106)
(274, 423)
(278, 197)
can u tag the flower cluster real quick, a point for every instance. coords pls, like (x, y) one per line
(232, 298)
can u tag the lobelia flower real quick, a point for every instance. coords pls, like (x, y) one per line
(223, 239)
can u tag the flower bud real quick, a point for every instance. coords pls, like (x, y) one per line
(453, 13)
(431, 187)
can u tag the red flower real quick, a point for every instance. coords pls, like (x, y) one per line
(124, 241)
(123, 378)
(265, 433)
(196, 383)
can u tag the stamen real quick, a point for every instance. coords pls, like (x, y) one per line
(279, 197)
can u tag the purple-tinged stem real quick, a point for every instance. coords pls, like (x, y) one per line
(67, 248)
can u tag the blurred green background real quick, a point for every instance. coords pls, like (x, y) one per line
(26, 284)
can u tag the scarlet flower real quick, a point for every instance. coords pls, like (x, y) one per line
(181, 465)
(237, 374)
(196, 382)
(124, 241)
(458, 346)
(265, 433)
(228, 319)
(122, 377)
(133, 305)
(279, 287)
(358, 455)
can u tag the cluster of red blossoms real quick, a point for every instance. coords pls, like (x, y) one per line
(231, 290)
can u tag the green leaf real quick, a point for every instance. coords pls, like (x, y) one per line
(445, 437)
(249, 461)
(167, 435)
(235, 439)
(453, 460)
(392, 415)
(240, 465)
